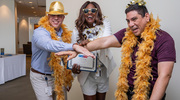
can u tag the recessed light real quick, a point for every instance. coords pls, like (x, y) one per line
(32, 7)
(30, 2)
(34, 12)
(20, 1)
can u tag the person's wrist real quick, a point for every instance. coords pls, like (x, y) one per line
(74, 46)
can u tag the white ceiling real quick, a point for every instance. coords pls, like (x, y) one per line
(24, 8)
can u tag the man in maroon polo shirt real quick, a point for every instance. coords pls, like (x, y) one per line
(148, 55)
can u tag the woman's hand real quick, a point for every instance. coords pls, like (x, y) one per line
(82, 50)
(76, 69)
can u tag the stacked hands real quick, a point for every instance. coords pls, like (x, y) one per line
(79, 48)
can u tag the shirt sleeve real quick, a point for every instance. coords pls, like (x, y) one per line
(42, 39)
(166, 49)
(75, 36)
(120, 34)
(107, 28)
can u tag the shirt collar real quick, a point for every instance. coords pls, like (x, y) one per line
(59, 32)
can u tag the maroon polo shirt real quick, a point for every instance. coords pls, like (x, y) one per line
(164, 50)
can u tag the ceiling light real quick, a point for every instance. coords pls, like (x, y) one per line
(32, 7)
(30, 2)
(34, 12)
(20, 1)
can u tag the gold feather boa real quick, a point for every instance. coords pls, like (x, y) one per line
(143, 62)
(63, 76)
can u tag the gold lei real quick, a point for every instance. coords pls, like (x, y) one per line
(63, 76)
(143, 62)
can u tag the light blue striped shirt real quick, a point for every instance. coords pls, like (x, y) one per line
(42, 46)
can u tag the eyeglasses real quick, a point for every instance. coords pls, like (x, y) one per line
(93, 10)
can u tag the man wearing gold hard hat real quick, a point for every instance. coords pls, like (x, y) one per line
(48, 72)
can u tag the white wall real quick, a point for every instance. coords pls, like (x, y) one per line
(32, 21)
(31, 28)
(168, 12)
(23, 31)
(16, 26)
(7, 26)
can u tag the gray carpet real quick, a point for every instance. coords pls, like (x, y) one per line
(20, 88)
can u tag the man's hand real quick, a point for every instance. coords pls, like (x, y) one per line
(76, 69)
(83, 43)
(72, 54)
(82, 50)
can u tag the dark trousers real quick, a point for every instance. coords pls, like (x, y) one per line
(130, 94)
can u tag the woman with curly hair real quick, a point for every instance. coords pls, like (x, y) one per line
(90, 25)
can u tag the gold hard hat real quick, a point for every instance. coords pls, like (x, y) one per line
(56, 8)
